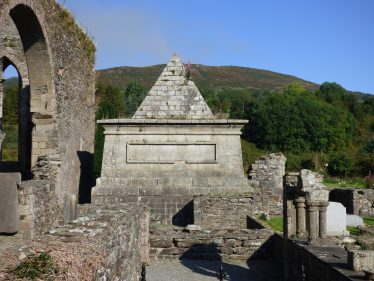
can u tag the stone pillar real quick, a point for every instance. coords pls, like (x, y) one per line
(1, 103)
(322, 219)
(312, 209)
(300, 216)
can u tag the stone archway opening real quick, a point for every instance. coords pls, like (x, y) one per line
(55, 60)
(15, 121)
(9, 121)
(27, 51)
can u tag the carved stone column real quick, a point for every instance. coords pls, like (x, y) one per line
(322, 219)
(300, 215)
(1, 105)
(312, 209)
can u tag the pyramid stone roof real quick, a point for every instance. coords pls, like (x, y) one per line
(174, 96)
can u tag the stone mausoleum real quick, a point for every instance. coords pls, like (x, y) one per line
(172, 149)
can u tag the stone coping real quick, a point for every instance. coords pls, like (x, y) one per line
(172, 121)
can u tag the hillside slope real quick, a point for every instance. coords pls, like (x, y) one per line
(206, 76)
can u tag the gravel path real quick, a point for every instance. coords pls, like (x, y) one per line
(198, 270)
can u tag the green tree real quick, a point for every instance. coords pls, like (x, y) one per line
(10, 108)
(298, 122)
(134, 95)
(331, 92)
(110, 105)
(340, 165)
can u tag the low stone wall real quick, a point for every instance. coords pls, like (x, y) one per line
(304, 262)
(105, 244)
(357, 201)
(167, 242)
(167, 206)
(232, 211)
(361, 260)
(38, 209)
(266, 177)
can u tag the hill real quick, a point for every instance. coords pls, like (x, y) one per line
(207, 76)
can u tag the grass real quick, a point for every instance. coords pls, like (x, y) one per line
(344, 183)
(369, 221)
(354, 231)
(250, 153)
(276, 223)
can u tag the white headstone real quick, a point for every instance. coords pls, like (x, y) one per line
(354, 220)
(336, 220)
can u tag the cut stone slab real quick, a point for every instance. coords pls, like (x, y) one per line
(9, 210)
(336, 220)
(354, 220)
(174, 96)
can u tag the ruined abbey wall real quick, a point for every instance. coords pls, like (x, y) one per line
(56, 59)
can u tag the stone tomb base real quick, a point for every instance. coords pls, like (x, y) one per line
(167, 162)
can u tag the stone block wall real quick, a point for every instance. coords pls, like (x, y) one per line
(58, 58)
(360, 260)
(310, 263)
(239, 244)
(268, 171)
(357, 201)
(38, 210)
(228, 211)
(266, 177)
(105, 244)
(167, 205)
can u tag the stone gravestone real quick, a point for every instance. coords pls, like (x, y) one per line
(354, 220)
(9, 211)
(336, 220)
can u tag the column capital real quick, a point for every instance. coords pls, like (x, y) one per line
(323, 203)
(300, 200)
(323, 206)
(312, 205)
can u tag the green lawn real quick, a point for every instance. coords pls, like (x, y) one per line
(344, 183)
(369, 221)
(354, 230)
(276, 223)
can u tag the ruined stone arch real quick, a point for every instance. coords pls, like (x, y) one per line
(56, 58)
(36, 97)
(23, 164)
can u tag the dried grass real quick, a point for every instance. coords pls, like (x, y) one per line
(78, 260)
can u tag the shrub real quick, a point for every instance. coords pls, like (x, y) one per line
(369, 181)
(340, 165)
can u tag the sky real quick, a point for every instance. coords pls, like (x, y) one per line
(316, 40)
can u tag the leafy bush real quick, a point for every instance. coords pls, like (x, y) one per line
(298, 123)
(340, 164)
(250, 154)
(369, 181)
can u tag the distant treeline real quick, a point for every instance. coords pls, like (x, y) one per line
(329, 130)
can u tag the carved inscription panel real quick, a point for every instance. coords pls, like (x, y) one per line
(154, 153)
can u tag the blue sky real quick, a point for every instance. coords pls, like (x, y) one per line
(317, 40)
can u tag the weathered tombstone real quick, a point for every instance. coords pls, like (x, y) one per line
(9, 211)
(354, 220)
(336, 220)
